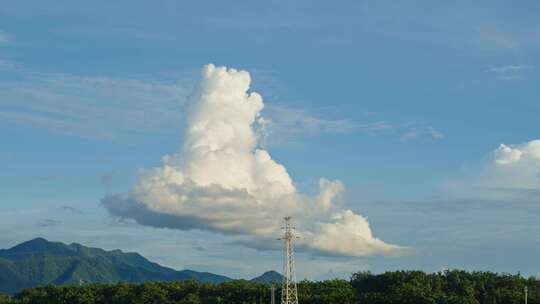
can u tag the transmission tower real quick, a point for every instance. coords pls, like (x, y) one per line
(289, 294)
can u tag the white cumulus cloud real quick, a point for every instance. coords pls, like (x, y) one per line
(350, 234)
(221, 180)
(512, 172)
(530, 151)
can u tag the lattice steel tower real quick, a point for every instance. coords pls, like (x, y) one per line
(289, 293)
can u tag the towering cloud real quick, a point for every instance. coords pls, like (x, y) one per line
(221, 180)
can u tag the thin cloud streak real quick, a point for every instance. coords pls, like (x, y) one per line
(415, 131)
(510, 72)
(5, 38)
(48, 223)
(288, 123)
(105, 108)
(72, 210)
(509, 68)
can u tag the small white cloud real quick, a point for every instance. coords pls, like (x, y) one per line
(287, 121)
(511, 171)
(505, 155)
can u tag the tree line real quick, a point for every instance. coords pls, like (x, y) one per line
(403, 287)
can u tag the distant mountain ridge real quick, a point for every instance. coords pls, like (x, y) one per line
(40, 262)
(269, 277)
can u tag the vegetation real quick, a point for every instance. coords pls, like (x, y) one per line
(449, 287)
(401, 287)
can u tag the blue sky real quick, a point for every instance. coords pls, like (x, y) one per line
(406, 103)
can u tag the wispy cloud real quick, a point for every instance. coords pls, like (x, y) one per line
(377, 127)
(48, 223)
(106, 180)
(295, 121)
(509, 68)
(101, 107)
(408, 131)
(414, 131)
(5, 38)
(288, 123)
(510, 72)
(72, 210)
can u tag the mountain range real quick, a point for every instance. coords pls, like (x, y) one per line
(40, 262)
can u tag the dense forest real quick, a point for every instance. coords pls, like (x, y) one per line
(414, 287)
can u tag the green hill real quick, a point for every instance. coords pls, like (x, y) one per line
(269, 277)
(39, 262)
